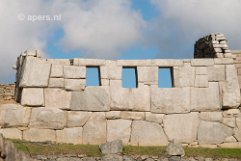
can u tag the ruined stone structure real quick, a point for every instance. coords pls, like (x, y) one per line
(201, 109)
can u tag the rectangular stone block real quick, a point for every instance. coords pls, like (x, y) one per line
(113, 115)
(57, 71)
(128, 115)
(216, 73)
(206, 99)
(201, 81)
(170, 100)
(201, 71)
(114, 71)
(152, 117)
(74, 72)
(32, 97)
(167, 62)
(56, 82)
(48, 118)
(36, 73)
(91, 99)
(184, 76)
(91, 62)
(131, 63)
(77, 119)
(59, 61)
(69, 135)
(11, 133)
(211, 116)
(57, 98)
(219, 61)
(39, 135)
(74, 84)
(202, 62)
(13, 115)
(148, 75)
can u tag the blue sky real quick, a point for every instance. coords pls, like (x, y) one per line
(112, 29)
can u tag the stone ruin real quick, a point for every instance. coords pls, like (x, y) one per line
(202, 109)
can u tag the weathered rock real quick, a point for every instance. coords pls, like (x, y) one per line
(210, 100)
(141, 135)
(13, 115)
(237, 134)
(48, 118)
(94, 131)
(231, 113)
(136, 99)
(112, 157)
(162, 100)
(230, 139)
(57, 71)
(174, 158)
(69, 135)
(77, 119)
(184, 76)
(39, 135)
(92, 99)
(181, 127)
(36, 73)
(113, 147)
(74, 72)
(119, 130)
(32, 97)
(213, 132)
(158, 118)
(57, 98)
(229, 122)
(175, 149)
(11, 133)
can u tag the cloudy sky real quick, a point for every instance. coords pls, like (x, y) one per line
(112, 29)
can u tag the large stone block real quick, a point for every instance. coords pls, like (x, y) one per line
(209, 100)
(202, 62)
(128, 115)
(11, 133)
(69, 135)
(184, 76)
(211, 116)
(77, 119)
(39, 135)
(181, 127)
(216, 73)
(57, 98)
(167, 62)
(231, 89)
(114, 71)
(119, 130)
(113, 115)
(136, 99)
(213, 133)
(36, 73)
(170, 100)
(147, 134)
(74, 72)
(56, 82)
(91, 99)
(32, 97)
(57, 71)
(13, 115)
(94, 131)
(158, 118)
(48, 118)
(201, 81)
(148, 75)
(74, 84)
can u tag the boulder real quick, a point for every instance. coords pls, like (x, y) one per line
(113, 147)
(175, 149)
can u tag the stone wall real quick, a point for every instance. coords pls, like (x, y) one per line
(7, 92)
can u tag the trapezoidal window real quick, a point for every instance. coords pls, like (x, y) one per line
(129, 77)
(165, 77)
(93, 76)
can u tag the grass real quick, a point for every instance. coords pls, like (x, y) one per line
(93, 150)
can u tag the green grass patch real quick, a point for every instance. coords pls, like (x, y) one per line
(93, 150)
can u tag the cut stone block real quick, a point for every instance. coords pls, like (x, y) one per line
(39, 135)
(231, 89)
(162, 100)
(13, 115)
(201, 81)
(11, 133)
(223, 61)
(181, 127)
(94, 131)
(147, 134)
(131, 63)
(216, 73)
(74, 72)
(56, 82)
(69, 135)
(91, 62)
(48, 118)
(57, 98)
(158, 118)
(61, 62)
(114, 71)
(137, 99)
(213, 132)
(57, 71)
(206, 99)
(128, 115)
(119, 130)
(211, 116)
(36, 73)
(202, 62)
(184, 76)
(77, 119)
(113, 115)
(91, 99)
(167, 62)
(32, 97)
(148, 75)
(74, 84)
(201, 71)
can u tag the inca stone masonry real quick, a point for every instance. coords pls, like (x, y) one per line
(201, 109)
